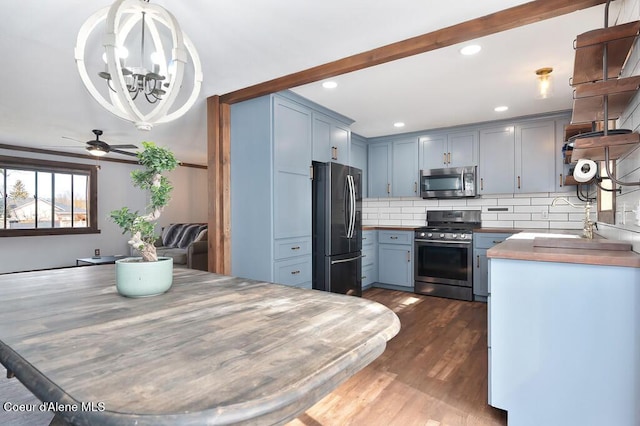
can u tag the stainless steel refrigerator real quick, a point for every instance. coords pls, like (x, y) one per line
(337, 228)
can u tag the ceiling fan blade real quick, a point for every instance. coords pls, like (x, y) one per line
(124, 146)
(72, 139)
(131, 154)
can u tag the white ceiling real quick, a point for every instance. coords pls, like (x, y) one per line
(242, 43)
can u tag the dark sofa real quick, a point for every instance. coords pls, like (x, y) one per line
(186, 243)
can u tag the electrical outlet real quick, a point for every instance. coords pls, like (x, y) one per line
(96, 252)
(545, 214)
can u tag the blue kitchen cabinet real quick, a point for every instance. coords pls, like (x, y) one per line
(496, 168)
(358, 159)
(395, 258)
(369, 258)
(271, 146)
(393, 168)
(562, 168)
(535, 156)
(331, 139)
(481, 243)
(379, 157)
(404, 166)
(452, 149)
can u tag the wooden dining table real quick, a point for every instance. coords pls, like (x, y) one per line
(213, 350)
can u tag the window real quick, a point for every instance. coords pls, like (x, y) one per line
(39, 197)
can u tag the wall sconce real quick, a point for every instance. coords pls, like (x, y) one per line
(544, 86)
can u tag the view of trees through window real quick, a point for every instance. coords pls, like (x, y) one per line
(36, 197)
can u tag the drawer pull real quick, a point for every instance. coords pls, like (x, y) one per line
(497, 241)
(393, 238)
(295, 248)
(295, 272)
(364, 255)
(364, 238)
(364, 277)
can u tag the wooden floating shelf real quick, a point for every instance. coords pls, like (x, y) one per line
(609, 87)
(590, 47)
(593, 148)
(592, 108)
(577, 129)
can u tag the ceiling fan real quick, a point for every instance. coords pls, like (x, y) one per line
(100, 148)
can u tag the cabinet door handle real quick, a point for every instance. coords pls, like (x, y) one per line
(518, 182)
(311, 172)
(477, 261)
(295, 248)
(448, 158)
(481, 184)
(444, 159)
(408, 256)
(561, 180)
(388, 188)
(334, 152)
(415, 187)
(295, 272)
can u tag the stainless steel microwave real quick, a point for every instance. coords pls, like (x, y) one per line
(451, 182)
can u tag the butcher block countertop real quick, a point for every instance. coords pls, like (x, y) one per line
(526, 249)
(389, 228)
(212, 350)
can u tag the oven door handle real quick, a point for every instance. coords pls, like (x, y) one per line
(441, 242)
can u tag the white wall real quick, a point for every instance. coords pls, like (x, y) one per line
(188, 204)
(628, 168)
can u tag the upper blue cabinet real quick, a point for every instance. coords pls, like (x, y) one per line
(393, 167)
(453, 149)
(331, 139)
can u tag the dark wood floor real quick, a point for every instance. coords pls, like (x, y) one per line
(433, 373)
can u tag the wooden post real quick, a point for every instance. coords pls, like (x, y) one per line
(219, 185)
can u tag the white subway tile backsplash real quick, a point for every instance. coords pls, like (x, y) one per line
(520, 211)
(532, 224)
(514, 202)
(497, 224)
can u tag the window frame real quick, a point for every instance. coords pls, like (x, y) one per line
(48, 166)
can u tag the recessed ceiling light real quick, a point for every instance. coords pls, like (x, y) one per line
(471, 49)
(501, 108)
(329, 84)
(398, 124)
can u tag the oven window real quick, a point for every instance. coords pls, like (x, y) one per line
(441, 183)
(443, 262)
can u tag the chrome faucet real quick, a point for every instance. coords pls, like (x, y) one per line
(587, 230)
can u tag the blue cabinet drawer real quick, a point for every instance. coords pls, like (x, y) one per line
(485, 241)
(369, 256)
(369, 275)
(292, 247)
(369, 238)
(395, 237)
(294, 272)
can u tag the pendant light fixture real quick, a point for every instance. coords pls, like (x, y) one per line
(544, 86)
(144, 61)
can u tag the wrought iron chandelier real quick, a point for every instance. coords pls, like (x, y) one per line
(157, 72)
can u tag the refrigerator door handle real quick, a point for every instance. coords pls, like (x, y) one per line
(351, 259)
(352, 206)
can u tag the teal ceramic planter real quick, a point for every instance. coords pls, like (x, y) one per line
(135, 278)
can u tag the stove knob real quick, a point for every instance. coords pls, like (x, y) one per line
(441, 235)
(422, 234)
(429, 235)
(454, 235)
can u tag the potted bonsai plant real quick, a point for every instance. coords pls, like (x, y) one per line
(147, 275)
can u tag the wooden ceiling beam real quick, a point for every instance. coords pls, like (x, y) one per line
(517, 16)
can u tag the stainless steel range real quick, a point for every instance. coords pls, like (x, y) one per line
(444, 252)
